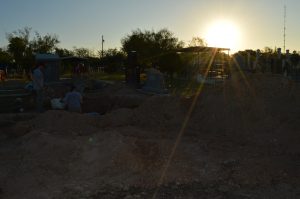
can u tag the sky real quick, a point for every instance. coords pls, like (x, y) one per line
(254, 24)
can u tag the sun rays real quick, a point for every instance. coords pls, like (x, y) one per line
(223, 33)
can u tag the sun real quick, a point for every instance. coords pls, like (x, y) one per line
(223, 34)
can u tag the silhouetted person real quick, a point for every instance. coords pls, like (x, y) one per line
(73, 100)
(294, 59)
(38, 87)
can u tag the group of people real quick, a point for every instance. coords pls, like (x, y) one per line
(72, 99)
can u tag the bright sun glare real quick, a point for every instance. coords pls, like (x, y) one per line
(223, 34)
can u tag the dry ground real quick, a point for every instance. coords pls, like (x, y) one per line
(239, 139)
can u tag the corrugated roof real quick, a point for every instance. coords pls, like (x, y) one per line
(74, 58)
(202, 49)
(47, 57)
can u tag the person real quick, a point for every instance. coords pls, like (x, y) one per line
(2, 73)
(77, 70)
(38, 86)
(295, 58)
(73, 100)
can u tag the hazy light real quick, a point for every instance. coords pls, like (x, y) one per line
(223, 34)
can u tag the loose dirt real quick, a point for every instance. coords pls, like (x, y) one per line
(238, 139)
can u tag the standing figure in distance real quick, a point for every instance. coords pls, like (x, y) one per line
(38, 87)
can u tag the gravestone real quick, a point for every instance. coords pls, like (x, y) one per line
(155, 82)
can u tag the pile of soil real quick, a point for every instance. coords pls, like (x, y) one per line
(238, 139)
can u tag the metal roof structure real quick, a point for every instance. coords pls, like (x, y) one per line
(73, 58)
(46, 57)
(202, 49)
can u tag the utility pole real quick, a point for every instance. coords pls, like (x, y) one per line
(102, 41)
(284, 27)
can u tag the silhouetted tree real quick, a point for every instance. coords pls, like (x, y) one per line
(295, 58)
(16, 48)
(197, 41)
(170, 63)
(113, 60)
(150, 45)
(22, 49)
(44, 44)
(62, 52)
(5, 57)
(83, 52)
(268, 50)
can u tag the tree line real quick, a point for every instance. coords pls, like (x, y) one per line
(152, 46)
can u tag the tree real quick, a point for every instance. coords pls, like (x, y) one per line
(197, 41)
(113, 60)
(83, 52)
(268, 50)
(22, 49)
(44, 44)
(170, 63)
(138, 41)
(5, 58)
(16, 48)
(166, 42)
(23, 34)
(62, 52)
(19, 46)
(150, 45)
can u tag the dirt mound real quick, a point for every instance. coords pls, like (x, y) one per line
(117, 118)
(161, 113)
(65, 123)
(104, 103)
(240, 140)
(44, 162)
